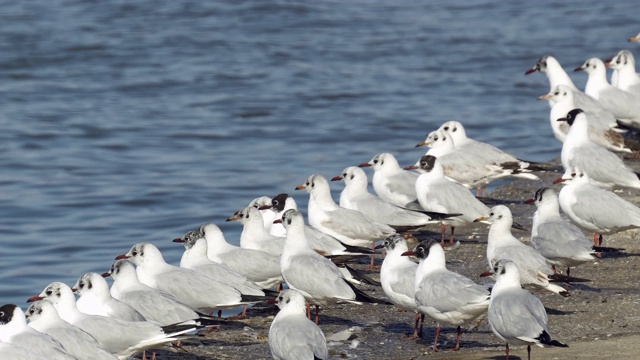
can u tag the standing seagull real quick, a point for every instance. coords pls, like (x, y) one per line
(516, 316)
(43, 317)
(439, 194)
(14, 330)
(595, 209)
(258, 266)
(534, 269)
(604, 168)
(314, 276)
(624, 67)
(397, 276)
(391, 182)
(443, 295)
(349, 226)
(254, 235)
(560, 242)
(292, 336)
(623, 104)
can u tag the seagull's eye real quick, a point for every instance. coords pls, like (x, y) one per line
(573, 174)
(345, 175)
(446, 128)
(81, 285)
(556, 93)
(375, 161)
(31, 311)
(618, 61)
(544, 63)
(275, 202)
(491, 214)
(49, 292)
(134, 253)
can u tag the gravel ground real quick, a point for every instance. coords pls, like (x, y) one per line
(601, 318)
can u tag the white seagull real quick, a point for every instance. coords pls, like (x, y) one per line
(391, 182)
(534, 268)
(443, 295)
(95, 299)
(258, 266)
(595, 209)
(604, 168)
(292, 336)
(254, 235)
(560, 242)
(189, 287)
(14, 330)
(439, 194)
(624, 70)
(314, 276)
(43, 317)
(515, 315)
(624, 105)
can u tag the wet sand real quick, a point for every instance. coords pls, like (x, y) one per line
(601, 318)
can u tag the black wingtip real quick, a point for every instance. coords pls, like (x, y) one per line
(362, 297)
(358, 275)
(545, 338)
(603, 249)
(254, 298)
(568, 279)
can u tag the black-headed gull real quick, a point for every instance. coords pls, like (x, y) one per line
(43, 317)
(439, 194)
(397, 276)
(534, 268)
(14, 330)
(604, 168)
(292, 336)
(515, 315)
(443, 295)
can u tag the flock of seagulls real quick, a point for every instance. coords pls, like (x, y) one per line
(152, 304)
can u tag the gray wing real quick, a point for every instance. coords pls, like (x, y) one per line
(623, 104)
(605, 209)
(559, 239)
(356, 225)
(601, 165)
(79, 343)
(196, 290)
(295, 337)
(456, 199)
(526, 258)
(158, 307)
(115, 335)
(227, 276)
(123, 311)
(403, 183)
(13, 352)
(510, 315)
(255, 265)
(449, 291)
(404, 283)
(42, 344)
(317, 277)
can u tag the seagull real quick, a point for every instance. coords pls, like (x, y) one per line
(595, 209)
(601, 123)
(356, 196)
(267, 217)
(258, 266)
(604, 168)
(349, 226)
(391, 182)
(254, 235)
(624, 69)
(624, 105)
(557, 76)
(534, 268)
(470, 167)
(515, 315)
(44, 318)
(123, 338)
(314, 276)
(397, 275)
(292, 336)
(15, 331)
(189, 287)
(157, 306)
(560, 242)
(439, 194)
(195, 258)
(319, 241)
(444, 295)
(95, 299)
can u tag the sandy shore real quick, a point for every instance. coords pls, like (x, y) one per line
(601, 318)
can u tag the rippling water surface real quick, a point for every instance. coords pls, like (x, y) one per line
(123, 122)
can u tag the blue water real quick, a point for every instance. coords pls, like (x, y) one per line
(124, 122)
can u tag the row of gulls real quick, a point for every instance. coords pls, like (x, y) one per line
(152, 303)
